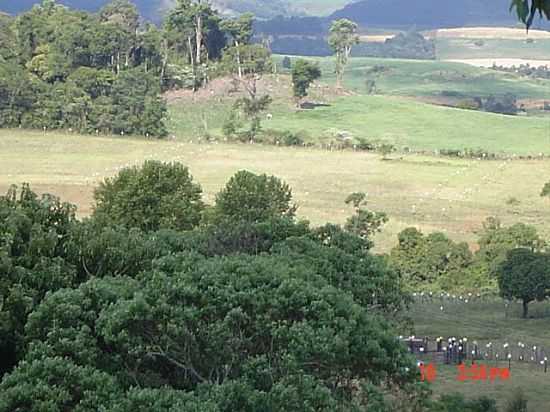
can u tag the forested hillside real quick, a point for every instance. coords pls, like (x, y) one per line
(104, 72)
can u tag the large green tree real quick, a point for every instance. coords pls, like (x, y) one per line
(304, 73)
(34, 233)
(524, 275)
(241, 31)
(425, 260)
(154, 196)
(240, 331)
(253, 198)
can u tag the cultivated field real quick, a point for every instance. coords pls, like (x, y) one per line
(490, 33)
(454, 196)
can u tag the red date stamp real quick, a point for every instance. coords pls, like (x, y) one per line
(475, 372)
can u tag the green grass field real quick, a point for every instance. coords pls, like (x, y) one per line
(432, 78)
(431, 193)
(403, 122)
(488, 321)
(396, 114)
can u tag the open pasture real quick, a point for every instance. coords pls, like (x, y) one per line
(405, 123)
(432, 193)
(420, 78)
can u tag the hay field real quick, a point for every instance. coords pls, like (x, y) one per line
(453, 196)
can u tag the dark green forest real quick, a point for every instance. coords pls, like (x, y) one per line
(104, 72)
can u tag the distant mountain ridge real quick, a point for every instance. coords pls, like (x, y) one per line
(425, 14)
(428, 13)
(154, 9)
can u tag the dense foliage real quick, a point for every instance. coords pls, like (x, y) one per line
(408, 45)
(524, 275)
(436, 263)
(152, 197)
(104, 72)
(74, 70)
(252, 310)
(303, 74)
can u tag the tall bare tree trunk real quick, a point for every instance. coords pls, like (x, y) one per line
(199, 37)
(338, 70)
(193, 62)
(239, 66)
(164, 61)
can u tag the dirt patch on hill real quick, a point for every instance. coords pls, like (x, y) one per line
(277, 86)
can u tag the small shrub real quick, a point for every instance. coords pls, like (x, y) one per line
(450, 152)
(517, 403)
(230, 126)
(364, 144)
(287, 63)
(285, 137)
(386, 149)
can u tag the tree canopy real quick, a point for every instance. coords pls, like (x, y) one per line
(253, 310)
(104, 72)
(524, 275)
(151, 197)
(303, 74)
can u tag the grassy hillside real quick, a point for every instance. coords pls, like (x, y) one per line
(432, 78)
(454, 196)
(428, 13)
(407, 123)
(401, 121)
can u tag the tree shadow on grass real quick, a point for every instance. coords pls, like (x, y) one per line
(312, 106)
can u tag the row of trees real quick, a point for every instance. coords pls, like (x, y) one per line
(435, 262)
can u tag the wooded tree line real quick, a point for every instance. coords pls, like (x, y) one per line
(512, 261)
(160, 302)
(104, 72)
(436, 262)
